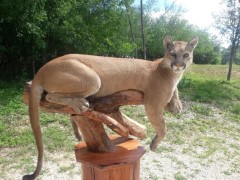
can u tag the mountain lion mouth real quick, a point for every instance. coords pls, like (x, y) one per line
(178, 68)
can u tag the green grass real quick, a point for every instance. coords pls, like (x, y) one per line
(202, 110)
(14, 121)
(203, 84)
(16, 138)
(207, 83)
(179, 176)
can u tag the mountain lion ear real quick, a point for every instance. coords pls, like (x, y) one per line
(168, 44)
(193, 43)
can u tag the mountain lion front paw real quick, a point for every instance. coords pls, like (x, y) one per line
(174, 106)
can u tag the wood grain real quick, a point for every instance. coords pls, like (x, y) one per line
(102, 110)
(124, 163)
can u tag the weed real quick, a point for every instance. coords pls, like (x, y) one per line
(154, 177)
(185, 82)
(236, 109)
(163, 148)
(66, 168)
(179, 176)
(201, 109)
(234, 117)
(56, 139)
(227, 173)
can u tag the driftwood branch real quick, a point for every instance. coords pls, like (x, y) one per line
(106, 104)
(94, 134)
(133, 127)
(102, 110)
(110, 122)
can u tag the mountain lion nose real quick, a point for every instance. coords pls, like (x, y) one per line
(178, 65)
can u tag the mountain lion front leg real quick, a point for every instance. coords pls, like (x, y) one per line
(155, 116)
(174, 106)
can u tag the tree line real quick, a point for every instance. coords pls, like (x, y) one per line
(228, 22)
(34, 32)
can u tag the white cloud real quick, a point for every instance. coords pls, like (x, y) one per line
(200, 12)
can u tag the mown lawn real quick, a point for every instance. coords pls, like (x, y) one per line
(205, 85)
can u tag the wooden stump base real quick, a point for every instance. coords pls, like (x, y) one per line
(124, 163)
(103, 158)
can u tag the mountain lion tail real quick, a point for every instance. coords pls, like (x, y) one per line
(34, 99)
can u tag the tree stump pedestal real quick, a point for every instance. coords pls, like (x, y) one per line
(103, 157)
(122, 164)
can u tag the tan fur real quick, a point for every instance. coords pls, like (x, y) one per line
(80, 76)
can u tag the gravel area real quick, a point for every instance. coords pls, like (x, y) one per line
(171, 161)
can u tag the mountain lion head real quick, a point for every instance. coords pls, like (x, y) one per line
(179, 53)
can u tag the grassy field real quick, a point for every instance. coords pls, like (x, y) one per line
(207, 83)
(209, 126)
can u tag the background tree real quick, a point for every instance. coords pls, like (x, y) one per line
(34, 32)
(156, 27)
(237, 57)
(228, 22)
(208, 51)
(22, 34)
(142, 31)
(129, 10)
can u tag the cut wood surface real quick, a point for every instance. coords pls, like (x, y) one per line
(102, 110)
(123, 164)
(126, 152)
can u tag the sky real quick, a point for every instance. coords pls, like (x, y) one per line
(198, 12)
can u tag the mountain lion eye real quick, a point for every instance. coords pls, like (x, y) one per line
(173, 54)
(186, 55)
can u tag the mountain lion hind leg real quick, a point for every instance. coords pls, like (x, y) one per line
(80, 81)
(63, 80)
(75, 101)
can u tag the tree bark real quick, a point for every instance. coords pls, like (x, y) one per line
(230, 69)
(94, 134)
(102, 110)
(134, 128)
(232, 53)
(142, 29)
(127, 6)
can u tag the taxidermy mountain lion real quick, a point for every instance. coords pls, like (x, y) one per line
(74, 77)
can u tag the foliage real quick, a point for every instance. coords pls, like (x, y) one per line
(206, 83)
(34, 32)
(207, 51)
(237, 57)
(226, 56)
(228, 22)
